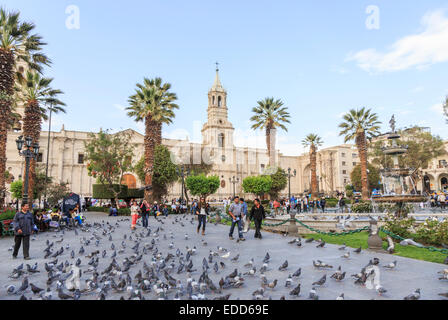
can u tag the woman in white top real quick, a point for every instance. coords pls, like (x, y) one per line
(135, 211)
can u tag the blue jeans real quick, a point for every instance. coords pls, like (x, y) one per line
(145, 220)
(202, 221)
(240, 228)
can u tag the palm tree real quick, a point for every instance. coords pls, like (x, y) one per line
(270, 115)
(38, 99)
(17, 45)
(154, 104)
(313, 141)
(359, 125)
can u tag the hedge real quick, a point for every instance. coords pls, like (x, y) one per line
(101, 191)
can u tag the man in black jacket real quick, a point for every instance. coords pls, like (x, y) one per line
(257, 214)
(23, 227)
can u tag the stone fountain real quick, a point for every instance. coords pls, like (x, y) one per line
(398, 184)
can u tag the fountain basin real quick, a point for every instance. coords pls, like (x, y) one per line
(400, 198)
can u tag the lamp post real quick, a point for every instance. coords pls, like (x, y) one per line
(183, 172)
(234, 181)
(289, 175)
(31, 151)
(48, 156)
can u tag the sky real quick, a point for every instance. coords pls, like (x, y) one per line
(322, 58)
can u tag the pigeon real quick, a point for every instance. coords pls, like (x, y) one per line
(343, 247)
(283, 266)
(358, 250)
(346, 255)
(272, 284)
(340, 297)
(234, 259)
(413, 296)
(266, 258)
(380, 290)
(297, 273)
(321, 244)
(295, 291)
(391, 265)
(321, 281)
(313, 294)
(288, 281)
(35, 289)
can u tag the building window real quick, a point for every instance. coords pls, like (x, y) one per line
(345, 181)
(344, 163)
(262, 168)
(344, 171)
(354, 155)
(213, 100)
(354, 164)
(343, 155)
(219, 101)
(221, 140)
(39, 157)
(80, 158)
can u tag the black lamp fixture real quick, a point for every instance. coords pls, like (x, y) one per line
(289, 175)
(31, 151)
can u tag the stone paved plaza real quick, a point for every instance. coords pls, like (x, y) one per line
(403, 280)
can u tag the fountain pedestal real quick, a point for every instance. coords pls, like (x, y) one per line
(375, 243)
(293, 229)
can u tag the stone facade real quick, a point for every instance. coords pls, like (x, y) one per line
(66, 157)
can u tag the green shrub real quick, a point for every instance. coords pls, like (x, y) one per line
(400, 226)
(432, 232)
(362, 207)
(7, 214)
(332, 202)
(101, 191)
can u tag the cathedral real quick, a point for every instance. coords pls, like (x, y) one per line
(66, 161)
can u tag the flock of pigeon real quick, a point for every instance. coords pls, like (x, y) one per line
(156, 263)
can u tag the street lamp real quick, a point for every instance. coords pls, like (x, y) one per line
(31, 151)
(182, 173)
(290, 175)
(234, 181)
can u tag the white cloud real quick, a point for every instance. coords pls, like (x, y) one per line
(437, 108)
(417, 51)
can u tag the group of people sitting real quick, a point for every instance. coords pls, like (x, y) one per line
(44, 220)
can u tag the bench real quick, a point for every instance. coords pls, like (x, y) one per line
(6, 228)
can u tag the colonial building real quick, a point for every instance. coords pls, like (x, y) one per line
(66, 156)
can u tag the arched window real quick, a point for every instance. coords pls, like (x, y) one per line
(129, 180)
(219, 101)
(221, 140)
(213, 100)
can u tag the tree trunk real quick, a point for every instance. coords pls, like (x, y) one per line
(151, 137)
(361, 144)
(32, 128)
(6, 92)
(270, 143)
(313, 163)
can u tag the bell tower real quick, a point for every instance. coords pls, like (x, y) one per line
(217, 132)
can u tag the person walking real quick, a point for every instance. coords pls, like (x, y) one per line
(144, 209)
(235, 211)
(155, 209)
(23, 228)
(323, 203)
(257, 214)
(202, 211)
(135, 211)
